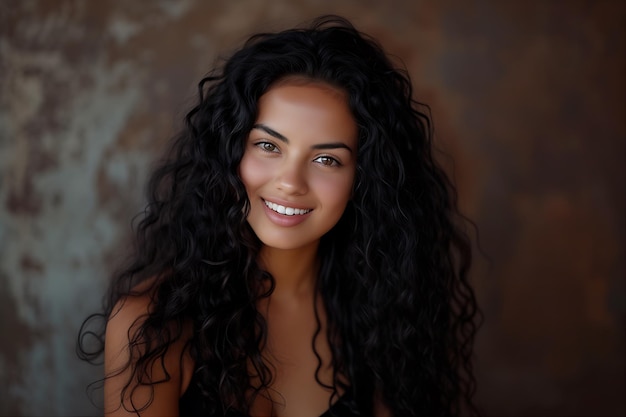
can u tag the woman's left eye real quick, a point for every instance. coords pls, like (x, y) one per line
(327, 161)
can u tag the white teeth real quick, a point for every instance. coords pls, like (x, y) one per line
(289, 211)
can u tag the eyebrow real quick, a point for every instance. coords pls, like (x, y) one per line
(272, 132)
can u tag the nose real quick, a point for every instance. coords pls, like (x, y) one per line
(291, 178)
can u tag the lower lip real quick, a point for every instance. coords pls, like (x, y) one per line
(284, 220)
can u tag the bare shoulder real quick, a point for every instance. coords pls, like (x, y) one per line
(157, 387)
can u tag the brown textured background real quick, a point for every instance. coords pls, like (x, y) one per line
(528, 97)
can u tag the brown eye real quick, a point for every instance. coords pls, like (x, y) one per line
(267, 146)
(327, 161)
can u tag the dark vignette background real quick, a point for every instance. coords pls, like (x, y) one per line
(528, 97)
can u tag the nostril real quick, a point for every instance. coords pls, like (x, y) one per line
(292, 181)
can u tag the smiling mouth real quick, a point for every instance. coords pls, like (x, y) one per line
(287, 211)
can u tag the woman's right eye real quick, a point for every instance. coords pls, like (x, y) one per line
(267, 146)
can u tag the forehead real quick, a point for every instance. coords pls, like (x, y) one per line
(295, 107)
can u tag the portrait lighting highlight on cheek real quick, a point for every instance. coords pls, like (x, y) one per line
(299, 163)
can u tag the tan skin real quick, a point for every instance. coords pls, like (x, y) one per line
(301, 154)
(291, 326)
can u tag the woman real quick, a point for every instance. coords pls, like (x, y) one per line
(300, 253)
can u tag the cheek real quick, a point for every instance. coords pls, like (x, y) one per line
(336, 192)
(250, 172)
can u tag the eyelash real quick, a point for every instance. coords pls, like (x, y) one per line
(263, 145)
(333, 161)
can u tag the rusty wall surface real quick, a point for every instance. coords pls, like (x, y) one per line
(528, 97)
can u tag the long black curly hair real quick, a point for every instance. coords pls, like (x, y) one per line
(393, 272)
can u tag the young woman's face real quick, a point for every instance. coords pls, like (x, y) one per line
(299, 163)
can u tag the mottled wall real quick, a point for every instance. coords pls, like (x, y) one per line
(527, 96)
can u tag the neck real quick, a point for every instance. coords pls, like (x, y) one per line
(294, 270)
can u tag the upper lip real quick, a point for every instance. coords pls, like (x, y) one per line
(286, 203)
